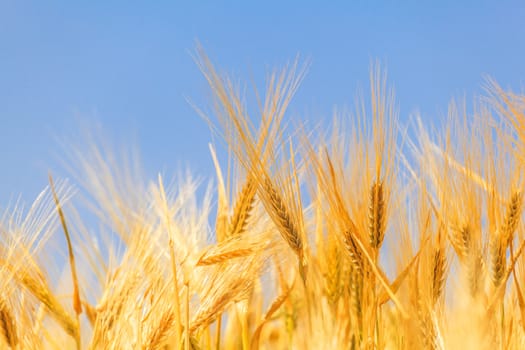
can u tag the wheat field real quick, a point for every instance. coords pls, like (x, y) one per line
(364, 234)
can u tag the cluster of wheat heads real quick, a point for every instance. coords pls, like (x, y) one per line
(335, 239)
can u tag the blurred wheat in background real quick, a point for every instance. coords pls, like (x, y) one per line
(360, 235)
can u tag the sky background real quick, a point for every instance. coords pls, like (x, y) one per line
(128, 67)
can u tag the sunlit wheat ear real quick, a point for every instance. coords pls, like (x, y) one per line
(286, 226)
(461, 240)
(243, 207)
(512, 217)
(428, 329)
(228, 284)
(376, 215)
(8, 325)
(422, 310)
(235, 247)
(438, 272)
(353, 250)
(467, 248)
(158, 335)
(502, 238)
(234, 292)
(499, 291)
(217, 258)
(333, 270)
(498, 251)
(120, 289)
(42, 292)
(288, 229)
(356, 293)
(475, 272)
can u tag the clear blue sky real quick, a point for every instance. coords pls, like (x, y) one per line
(127, 65)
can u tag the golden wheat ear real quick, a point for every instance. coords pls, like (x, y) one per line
(243, 208)
(39, 288)
(8, 325)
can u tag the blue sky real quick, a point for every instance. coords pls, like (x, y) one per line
(128, 67)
